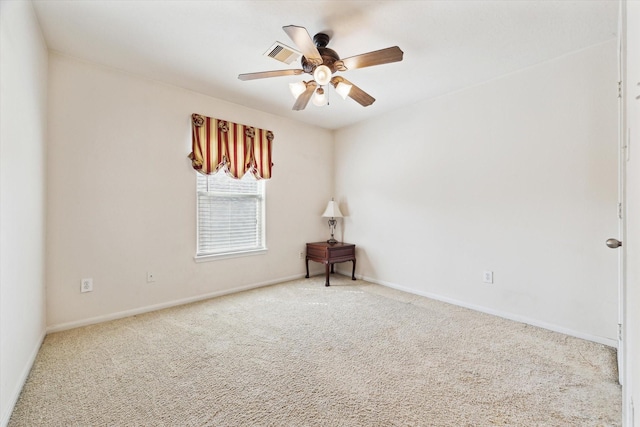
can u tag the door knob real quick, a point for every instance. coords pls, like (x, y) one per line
(614, 243)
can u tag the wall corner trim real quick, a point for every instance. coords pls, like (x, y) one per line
(15, 394)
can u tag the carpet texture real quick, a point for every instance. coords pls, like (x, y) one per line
(300, 354)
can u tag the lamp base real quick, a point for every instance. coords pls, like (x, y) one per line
(332, 229)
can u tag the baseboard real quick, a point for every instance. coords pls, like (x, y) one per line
(146, 309)
(15, 395)
(506, 315)
(510, 316)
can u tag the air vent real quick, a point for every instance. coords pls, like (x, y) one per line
(283, 53)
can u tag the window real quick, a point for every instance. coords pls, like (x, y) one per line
(230, 215)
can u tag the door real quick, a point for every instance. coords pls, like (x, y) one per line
(617, 243)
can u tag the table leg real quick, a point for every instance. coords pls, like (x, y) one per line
(307, 262)
(353, 272)
(327, 274)
(332, 269)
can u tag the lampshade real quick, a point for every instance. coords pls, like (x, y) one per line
(343, 89)
(320, 97)
(332, 211)
(322, 75)
(297, 89)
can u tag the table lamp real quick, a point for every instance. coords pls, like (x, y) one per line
(333, 212)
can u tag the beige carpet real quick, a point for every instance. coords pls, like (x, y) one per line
(299, 354)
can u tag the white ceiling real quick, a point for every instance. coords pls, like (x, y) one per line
(204, 45)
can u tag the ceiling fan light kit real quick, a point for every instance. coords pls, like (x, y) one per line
(322, 75)
(343, 89)
(323, 63)
(297, 88)
(320, 98)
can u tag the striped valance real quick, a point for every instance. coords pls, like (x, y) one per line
(238, 148)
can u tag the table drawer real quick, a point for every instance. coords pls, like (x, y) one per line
(335, 253)
(317, 252)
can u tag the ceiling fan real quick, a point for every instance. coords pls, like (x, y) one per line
(322, 63)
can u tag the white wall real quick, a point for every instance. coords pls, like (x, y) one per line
(23, 100)
(516, 176)
(122, 201)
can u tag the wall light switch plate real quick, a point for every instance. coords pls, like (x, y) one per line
(86, 285)
(487, 277)
(150, 277)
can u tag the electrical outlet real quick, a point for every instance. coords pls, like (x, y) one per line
(150, 277)
(487, 277)
(86, 285)
(301, 255)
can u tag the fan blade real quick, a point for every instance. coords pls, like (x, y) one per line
(305, 43)
(266, 74)
(357, 94)
(378, 57)
(305, 96)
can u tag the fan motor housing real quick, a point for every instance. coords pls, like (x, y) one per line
(329, 56)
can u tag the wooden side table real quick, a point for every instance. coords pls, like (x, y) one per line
(329, 254)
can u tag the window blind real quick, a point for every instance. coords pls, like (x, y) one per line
(230, 214)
